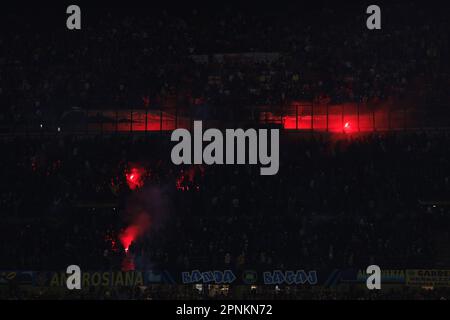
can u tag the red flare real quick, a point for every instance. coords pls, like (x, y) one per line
(128, 236)
(135, 177)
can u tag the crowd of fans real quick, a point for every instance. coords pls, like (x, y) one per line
(373, 199)
(185, 292)
(161, 58)
(349, 203)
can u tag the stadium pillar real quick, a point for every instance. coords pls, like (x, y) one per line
(357, 116)
(160, 120)
(176, 116)
(373, 120)
(131, 120)
(389, 118)
(146, 119)
(117, 121)
(281, 116)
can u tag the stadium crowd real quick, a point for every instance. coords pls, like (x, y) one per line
(335, 203)
(184, 292)
(345, 203)
(125, 59)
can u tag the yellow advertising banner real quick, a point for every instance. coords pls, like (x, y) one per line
(422, 277)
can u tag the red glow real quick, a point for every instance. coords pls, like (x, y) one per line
(347, 125)
(135, 177)
(335, 118)
(140, 225)
(128, 236)
(320, 116)
(110, 239)
(188, 179)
